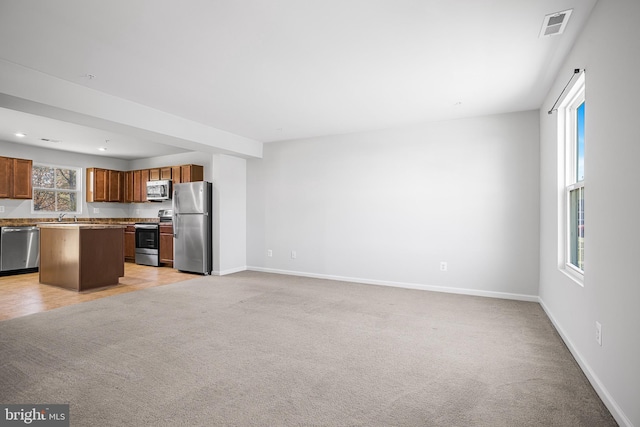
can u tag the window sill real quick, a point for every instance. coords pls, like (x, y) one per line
(578, 278)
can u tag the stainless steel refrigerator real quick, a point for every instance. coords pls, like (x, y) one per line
(192, 212)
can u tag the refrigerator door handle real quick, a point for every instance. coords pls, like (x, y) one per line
(175, 227)
(176, 200)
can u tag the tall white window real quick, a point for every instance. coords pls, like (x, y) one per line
(572, 133)
(56, 189)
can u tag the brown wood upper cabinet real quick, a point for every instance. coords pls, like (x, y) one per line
(144, 177)
(22, 179)
(154, 174)
(6, 177)
(128, 186)
(101, 185)
(97, 185)
(165, 173)
(137, 186)
(191, 173)
(176, 174)
(187, 173)
(104, 185)
(116, 186)
(15, 178)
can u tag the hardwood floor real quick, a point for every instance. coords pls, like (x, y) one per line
(22, 294)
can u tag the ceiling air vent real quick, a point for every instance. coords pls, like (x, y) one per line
(555, 23)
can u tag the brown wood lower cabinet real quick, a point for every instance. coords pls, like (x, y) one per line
(130, 244)
(166, 244)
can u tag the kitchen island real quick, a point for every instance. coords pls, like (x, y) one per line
(81, 256)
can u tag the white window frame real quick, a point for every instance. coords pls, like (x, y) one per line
(567, 174)
(78, 190)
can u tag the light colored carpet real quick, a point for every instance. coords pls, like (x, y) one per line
(257, 349)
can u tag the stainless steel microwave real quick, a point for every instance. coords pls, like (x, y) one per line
(158, 191)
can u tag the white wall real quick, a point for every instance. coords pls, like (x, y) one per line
(230, 220)
(609, 49)
(22, 208)
(386, 207)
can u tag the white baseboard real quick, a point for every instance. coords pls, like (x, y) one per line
(602, 391)
(228, 271)
(475, 292)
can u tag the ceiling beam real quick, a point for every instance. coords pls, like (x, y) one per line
(33, 92)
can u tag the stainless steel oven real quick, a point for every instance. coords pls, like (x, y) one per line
(147, 243)
(148, 239)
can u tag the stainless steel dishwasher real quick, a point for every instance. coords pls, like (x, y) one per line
(19, 248)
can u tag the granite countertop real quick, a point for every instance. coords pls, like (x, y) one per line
(78, 225)
(18, 222)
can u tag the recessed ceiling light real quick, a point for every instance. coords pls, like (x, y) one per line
(20, 134)
(102, 148)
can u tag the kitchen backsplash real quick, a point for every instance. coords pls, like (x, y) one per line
(22, 209)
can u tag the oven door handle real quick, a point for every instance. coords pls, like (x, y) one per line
(145, 226)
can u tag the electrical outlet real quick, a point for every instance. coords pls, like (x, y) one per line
(599, 333)
(293, 254)
(443, 266)
(269, 253)
(1, 209)
(96, 210)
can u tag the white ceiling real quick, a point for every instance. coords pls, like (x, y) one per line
(284, 69)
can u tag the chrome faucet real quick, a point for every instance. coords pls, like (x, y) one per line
(61, 216)
(75, 218)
